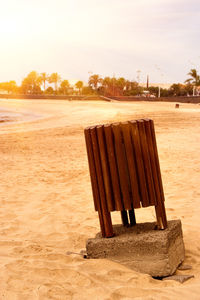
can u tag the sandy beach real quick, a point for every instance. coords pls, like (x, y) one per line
(46, 205)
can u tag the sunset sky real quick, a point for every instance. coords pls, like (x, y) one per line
(76, 37)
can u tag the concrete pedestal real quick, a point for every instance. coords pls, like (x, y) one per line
(142, 248)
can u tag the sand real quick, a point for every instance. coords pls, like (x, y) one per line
(46, 206)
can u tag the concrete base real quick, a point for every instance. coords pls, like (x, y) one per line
(142, 248)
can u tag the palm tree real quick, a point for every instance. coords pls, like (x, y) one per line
(110, 85)
(44, 78)
(79, 85)
(121, 83)
(107, 82)
(54, 78)
(114, 86)
(31, 84)
(94, 80)
(64, 86)
(128, 85)
(194, 79)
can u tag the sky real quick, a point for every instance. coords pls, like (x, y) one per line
(77, 38)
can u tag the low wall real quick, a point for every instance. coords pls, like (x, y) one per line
(166, 99)
(97, 98)
(52, 97)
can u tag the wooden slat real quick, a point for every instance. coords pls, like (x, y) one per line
(105, 212)
(105, 168)
(132, 217)
(147, 126)
(160, 208)
(101, 222)
(91, 163)
(147, 164)
(93, 178)
(139, 163)
(124, 217)
(153, 158)
(113, 168)
(157, 159)
(122, 166)
(131, 164)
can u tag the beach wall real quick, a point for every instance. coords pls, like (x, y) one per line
(53, 97)
(180, 99)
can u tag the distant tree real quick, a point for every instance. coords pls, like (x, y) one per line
(115, 86)
(153, 90)
(10, 86)
(49, 91)
(128, 85)
(55, 78)
(87, 90)
(31, 84)
(37, 90)
(79, 85)
(26, 87)
(134, 85)
(194, 79)
(178, 89)
(44, 78)
(106, 86)
(133, 89)
(106, 82)
(121, 83)
(64, 86)
(165, 92)
(94, 80)
(189, 89)
(109, 86)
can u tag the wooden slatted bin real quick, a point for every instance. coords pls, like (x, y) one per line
(125, 171)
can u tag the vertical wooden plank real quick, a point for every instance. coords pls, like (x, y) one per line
(152, 159)
(105, 212)
(161, 215)
(157, 158)
(139, 164)
(113, 168)
(132, 217)
(122, 166)
(160, 208)
(124, 217)
(101, 222)
(105, 168)
(147, 164)
(92, 170)
(93, 178)
(131, 164)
